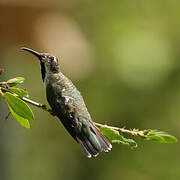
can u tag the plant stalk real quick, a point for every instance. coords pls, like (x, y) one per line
(133, 132)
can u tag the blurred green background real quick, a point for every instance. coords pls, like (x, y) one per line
(123, 56)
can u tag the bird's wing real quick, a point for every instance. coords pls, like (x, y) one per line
(79, 124)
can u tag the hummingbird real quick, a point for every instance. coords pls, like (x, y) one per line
(68, 105)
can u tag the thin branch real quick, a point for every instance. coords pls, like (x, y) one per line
(27, 100)
(133, 132)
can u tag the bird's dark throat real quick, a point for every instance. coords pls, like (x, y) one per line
(43, 70)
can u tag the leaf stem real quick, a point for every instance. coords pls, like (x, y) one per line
(133, 132)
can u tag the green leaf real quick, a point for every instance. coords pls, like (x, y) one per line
(161, 137)
(22, 121)
(15, 81)
(19, 91)
(115, 137)
(19, 109)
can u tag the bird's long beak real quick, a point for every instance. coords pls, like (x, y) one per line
(37, 54)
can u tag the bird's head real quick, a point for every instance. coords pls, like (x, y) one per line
(49, 63)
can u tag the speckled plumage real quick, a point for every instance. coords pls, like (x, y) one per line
(68, 105)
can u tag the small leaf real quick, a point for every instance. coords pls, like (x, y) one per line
(19, 109)
(24, 122)
(131, 143)
(19, 106)
(15, 81)
(161, 137)
(19, 91)
(115, 137)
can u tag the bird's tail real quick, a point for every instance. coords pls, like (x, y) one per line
(92, 141)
